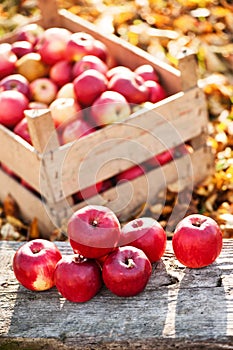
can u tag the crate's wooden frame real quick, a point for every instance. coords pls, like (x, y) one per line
(40, 164)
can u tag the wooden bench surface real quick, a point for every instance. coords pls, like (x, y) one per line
(180, 309)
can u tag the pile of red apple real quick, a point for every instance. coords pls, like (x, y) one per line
(72, 74)
(104, 253)
(75, 76)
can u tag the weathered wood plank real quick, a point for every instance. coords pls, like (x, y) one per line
(80, 164)
(181, 308)
(30, 205)
(13, 148)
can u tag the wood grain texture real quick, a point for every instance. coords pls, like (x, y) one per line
(180, 308)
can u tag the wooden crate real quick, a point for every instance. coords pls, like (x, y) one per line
(52, 169)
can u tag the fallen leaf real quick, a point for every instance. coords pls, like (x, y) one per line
(10, 206)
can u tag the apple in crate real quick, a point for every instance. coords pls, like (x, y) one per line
(37, 105)
(31, 66)
(16, 82)
(89, 62)
(43, 90)
(147, 72)
(146, 234)
(74, 130)
(131, 86)
(93, 231)
(88, 192)
(61, 73)
(30, 32)
(66, 90)
(13, 103)
(34, 264)
(21, 129)
(77, 278)
(64, 109)
(100, 50)
(7, 60)
(130, 173)
(118, 70)
(88, 86)
(156, 91)
(126, 271)
(52, 44)
(21, 48)
(161, 158)
(79, 45)
(197, 241)
(108, 108)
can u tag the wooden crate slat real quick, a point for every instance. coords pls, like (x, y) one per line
(91, 159)
(128, 196)
(54, 173)
(29, 204)
(20, 157)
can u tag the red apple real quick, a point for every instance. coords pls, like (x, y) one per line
(156, 91)
(64, 110)
(88, 86)
(29, 32)
(93, 190)
(31, 66)
(118, 70)
(108, 108)
(9, 171)
(80, 44)
(43, 90)
(161, 159)
(100, 50)
(66, 90)
(74, 130)
(147, 72)
(197, 241)
(77, 279)
(21, 48)
(130, 174)
(25, 184)
(34, 264)
(88, 192)
(52, 44)
(13, 103)
(93, 231)
(131, 86)
(37, 105)
(126, 271)
(61, 73)
(21, 129)
(89, 62)
(146, 234)
(16, 82)
(7, 60)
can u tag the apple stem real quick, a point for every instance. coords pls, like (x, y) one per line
(35, 251)
(198, 222)
(79, 259)
(130, 263)
(94, 223)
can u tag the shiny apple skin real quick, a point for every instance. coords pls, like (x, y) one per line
(93, 231)
(146, 234)
(126, 271)
(78, 279)
(34, 264)
(197, 241)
